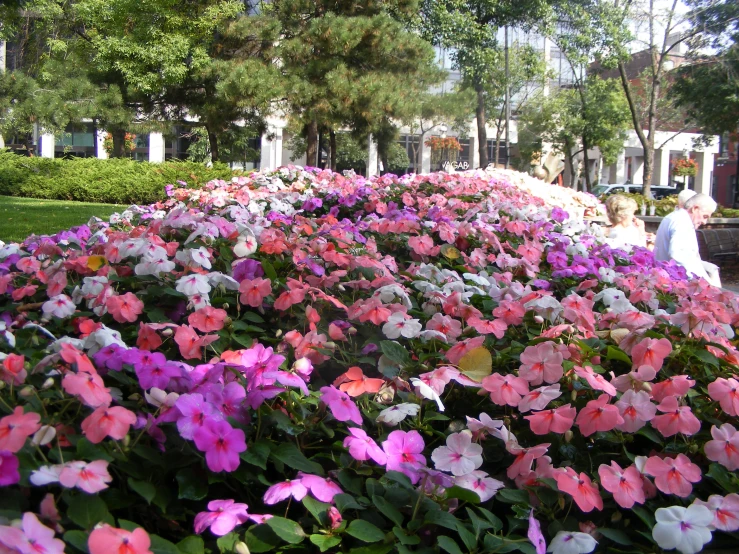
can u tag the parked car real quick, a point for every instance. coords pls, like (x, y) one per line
(658, 192)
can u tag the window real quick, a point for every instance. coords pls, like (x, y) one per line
(409, 143)
(76, 141)
(723, 146)
(502, 153)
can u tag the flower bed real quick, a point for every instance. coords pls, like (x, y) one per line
(306, 361)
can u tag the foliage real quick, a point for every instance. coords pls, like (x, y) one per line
(129, 143)
(309, 374)
(352, 154)
(443, 148)
(119, 181)
(235, 146)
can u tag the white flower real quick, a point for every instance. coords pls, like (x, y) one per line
(245, 246)
(158, 397)
(686, 529)
(216, 278)
(60, 306)
(479, 482)
(395, 414)
(422, 389)
(45, 475)
(154, 266)
(192, 284)
(460, 456)
(572, 543)
(397, 325)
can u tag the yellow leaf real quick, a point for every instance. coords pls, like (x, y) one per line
(450, 252)
(96, 262)
(477, 364)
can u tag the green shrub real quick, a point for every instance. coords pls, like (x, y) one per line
(115, 181)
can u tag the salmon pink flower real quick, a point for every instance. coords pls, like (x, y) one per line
(280, 491)
(651, 352)
(541, 363)
(538, 399)
(341, 406)
(221, 443)
(724, 448)
(686, 529)
(362, 447)
(580, 487)
(460, 455)
(108, 422)
(636, 409)
(403, 450)
(208, 319)
(445, 325)
(505, 390)
(253, 291)
(480, 483)
(598, 415)
(726, 393)
(511, 312)
(677, 385)
(725, 511)
(190, 343)
(423, 245)
(124, 308)
(524, 457)
(32, 538)
(557, 420)
(676, 419)
(91, 477)
(13, 370)
(624, 484)
(107, 539)
(89, 387)
(673, 476)
(16, 428)
(8, 469)
(596, 382)
(222, 517)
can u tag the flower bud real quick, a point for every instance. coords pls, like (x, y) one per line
(573, 395)
(342, 288)
(278, 334)
(646, 387)
(568, 435)
(334, 517)
(2, 385)
(26, 391)
(48, 383)
(351, 331)
(43, 436)
(126, 441)
(538, 319)
(167, 332)
(616, 516)
(329, 344)
(241, 548)
(225, 306)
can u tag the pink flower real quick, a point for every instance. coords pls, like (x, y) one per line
(403, 452)
(89, 387)
(726, 393)
(511, 312)
(538, 399)
(725, 511)
(190, 343)
(624, 484)
(445, 325)
(677, 419)
(195, 412)
(32, 538)
(280, 491)
(673, 476)
(677, 385)
(362, 447)
(460, 455)
(222, 517)
(596, 382)
(13, 371)
(8, 469)
(16, 428)
(125, 307)
(580, 487)
(534, 534)
(423, 245)
(207, 319)
(506, 390)
(557, 420)
(108, 422)
(221, 443)
(651, 352)
(91, 477)
(479, 482)
(524, 457)
(341, 406)
(253, 291)
(334, 517)
(541, 363)
(320, 487)
(724, 448)
(636, 409)
(107, 539)
(598, 415)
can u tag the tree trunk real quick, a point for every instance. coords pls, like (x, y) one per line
(498, 133)
(213, 142)
(311, 150)
(586, 164)
(96, 150)
(332, 145)
(119, 143)
(482, 136)
(569, 157)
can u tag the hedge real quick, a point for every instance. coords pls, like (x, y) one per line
(115, 181)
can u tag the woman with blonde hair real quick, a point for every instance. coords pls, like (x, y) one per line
(626, 230)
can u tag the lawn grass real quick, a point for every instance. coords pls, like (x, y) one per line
(20, 217)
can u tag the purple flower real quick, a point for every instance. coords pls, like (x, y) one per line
(542, 284)
(110, 356)
(195, 412)
(371, 347)
(248, 269)
(341, 406)
(403, 452)
(559, 215)
(312, 204)
(221, 443)
(535, 536)
(154, 371)
(169, 190)
(229, 400)
(8, 469)
(223, 516)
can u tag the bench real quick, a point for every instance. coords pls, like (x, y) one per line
(718, 246)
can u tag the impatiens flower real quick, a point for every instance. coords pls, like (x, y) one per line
(726, 393)
(280, 491)
(725, 511)
(686, 529)
(598, 415)
(524, 457)
(583, 491)
(223, 516)
(195, 411)
(323, 489)
(403, 450)
(485, 424)
(12, 370)
(651, 352)
(108, 422)
(208, 319)
(89, 387)
(724, 448)
(8, 469)
(596, 382)
(636, 409)
(107, 539)
(535, 536)
(460, 455)
(33, 537)
(124, 308)
(341, 406)
(397, 325)
(624, 484)
(193, 284)
(676, 385)
(362, 447)
(480, 483)
(505, 390)
(538, 399)
(355, 383)
(676, 419)
(395, 414)
(190, 343)
(557, 420)
(673, 476)
(91, 477)
(16, 428)
(253, 291)
(425, 391)
(221, 443)
(565, 542)
(541, 363)
(60, 306)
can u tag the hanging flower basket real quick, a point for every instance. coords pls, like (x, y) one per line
(443, 149)
(129, 143)
(685, 167)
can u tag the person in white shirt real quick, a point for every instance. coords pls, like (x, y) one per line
(626, 230)
(676, 238)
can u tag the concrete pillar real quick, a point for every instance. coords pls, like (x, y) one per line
(661, 171)
(271, 153)
(605, 174)
(46, 145)
(618, 170)
(705, 172)
(425, 156)
(156, 147)
(637, 170)
(372, 158)
(100, 138)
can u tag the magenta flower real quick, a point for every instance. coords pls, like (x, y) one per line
(362, 447)
(460, 456)
(535, 536)
(8, 469)
(341, 406)
(195, 411)
(404, 453)
(221, 443)
(222, 517)
(323, 489)
(33, 537)
(280, 491)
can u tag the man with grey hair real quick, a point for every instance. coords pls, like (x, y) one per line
(676, 238)
(684, 196)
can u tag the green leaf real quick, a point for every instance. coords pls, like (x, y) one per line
(269, 270)
(87, 510)
(324, 542)
(399, 478)
(492, 518)
(615, 353)
(88, 451)
(372, 549)
(346, 502)
(193, 484)
(470, 541)
(226, 543)
(615, 535)
(162, 546)
(191, 545)
(440, 517)
(257, 454)
(146, 490)
(78, 539)
(645, 515)
(127, 525)
(513, 496)
(404, 538)
(448, 545)
(463, 494)
(287, 529)
(252, 316)
(649, 433)
(365, 531)
(288, 454)
(706, 357)
(260, 538)
(317, 508)
(395, 351)
(388, 510)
